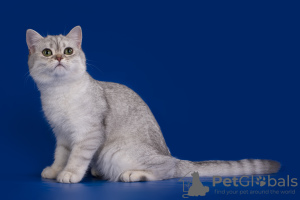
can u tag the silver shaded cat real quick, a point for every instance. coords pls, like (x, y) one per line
(106, 126)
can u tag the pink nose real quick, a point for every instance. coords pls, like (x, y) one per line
(58, 57)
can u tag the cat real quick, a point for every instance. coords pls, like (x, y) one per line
(106, 127)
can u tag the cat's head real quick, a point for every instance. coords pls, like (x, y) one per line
(56, 58)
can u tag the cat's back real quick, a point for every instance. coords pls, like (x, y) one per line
(126, 107)
(120, 95)
(130, 119)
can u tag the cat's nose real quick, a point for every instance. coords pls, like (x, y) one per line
(58, 57)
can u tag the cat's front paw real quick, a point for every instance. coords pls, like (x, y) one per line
(69, 177)
(49, 173)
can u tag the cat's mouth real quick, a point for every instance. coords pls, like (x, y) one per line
(59, 66)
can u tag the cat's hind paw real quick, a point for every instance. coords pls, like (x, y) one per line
(68, 177)
(134, 176)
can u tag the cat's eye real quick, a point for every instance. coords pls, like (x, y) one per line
(47, 52)
(68, 51)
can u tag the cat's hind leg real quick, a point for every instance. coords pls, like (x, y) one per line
(137, 175)
(95, 173)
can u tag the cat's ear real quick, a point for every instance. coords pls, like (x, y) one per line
(76, 35)
(32, 38)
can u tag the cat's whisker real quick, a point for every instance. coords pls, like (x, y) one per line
(94, 67)
(26, 77)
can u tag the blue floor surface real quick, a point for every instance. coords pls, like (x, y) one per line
(34, 187)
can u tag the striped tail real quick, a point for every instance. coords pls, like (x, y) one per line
(227, 168)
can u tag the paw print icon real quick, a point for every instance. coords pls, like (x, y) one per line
(261, 181)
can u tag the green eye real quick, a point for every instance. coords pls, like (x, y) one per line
(47, 52)
(68, 51)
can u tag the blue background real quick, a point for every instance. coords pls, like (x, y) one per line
(221, 77)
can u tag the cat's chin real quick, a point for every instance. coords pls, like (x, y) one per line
(60, 70)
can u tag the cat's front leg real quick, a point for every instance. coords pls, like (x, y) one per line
(60, 160)
(80, 157)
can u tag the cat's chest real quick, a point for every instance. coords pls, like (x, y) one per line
(66, 113)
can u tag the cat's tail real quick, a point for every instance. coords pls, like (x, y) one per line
(226, 168)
